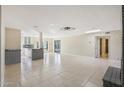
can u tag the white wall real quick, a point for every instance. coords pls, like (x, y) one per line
(84, 45)
(116, 45)
(77, 45)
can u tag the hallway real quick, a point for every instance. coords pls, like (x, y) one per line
(58, 70)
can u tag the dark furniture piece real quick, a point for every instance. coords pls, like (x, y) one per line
(12, 56)
(112, 77)
(37, 54)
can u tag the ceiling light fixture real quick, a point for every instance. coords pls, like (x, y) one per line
(93, 31)
(67, 28)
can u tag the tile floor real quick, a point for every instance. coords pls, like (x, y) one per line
(58, 70)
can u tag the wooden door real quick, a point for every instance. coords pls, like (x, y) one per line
(103, 48)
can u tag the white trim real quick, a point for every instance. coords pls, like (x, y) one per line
(75, 55)
(2, 54)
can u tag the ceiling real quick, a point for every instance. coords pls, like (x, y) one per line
(51, 19)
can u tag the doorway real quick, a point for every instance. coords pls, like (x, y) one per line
(45, 45)
(57, 46)
(102, 47)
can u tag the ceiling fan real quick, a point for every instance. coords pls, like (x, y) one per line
(67, 28)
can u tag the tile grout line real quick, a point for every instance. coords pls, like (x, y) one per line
(86, 81)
